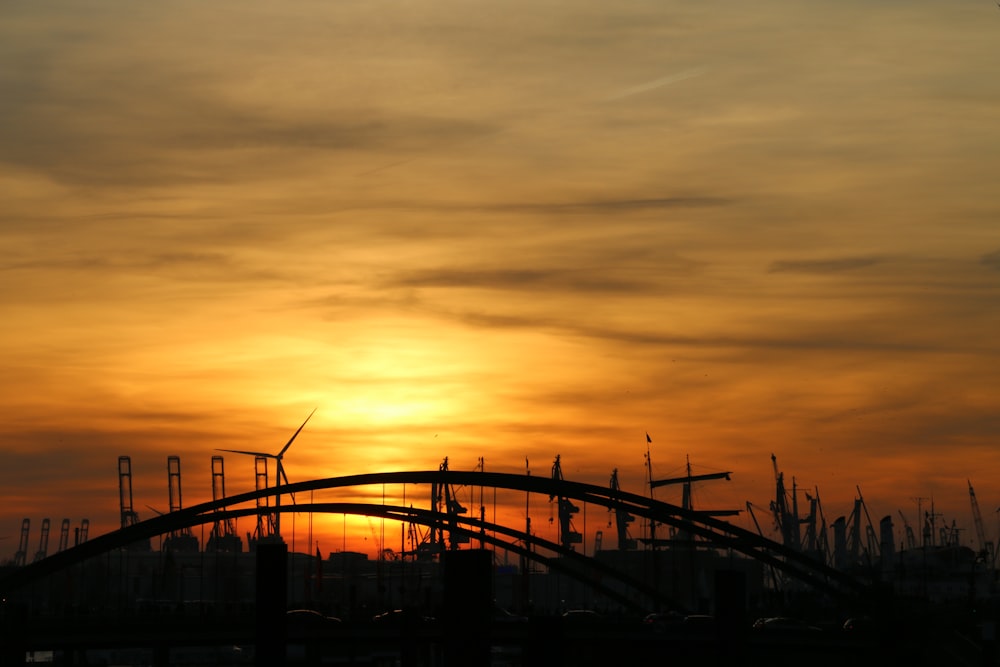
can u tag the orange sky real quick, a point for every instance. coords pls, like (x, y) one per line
(505, 230)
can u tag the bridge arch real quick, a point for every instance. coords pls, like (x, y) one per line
(719, 533)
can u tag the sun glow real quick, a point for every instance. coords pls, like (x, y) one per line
(399, 407)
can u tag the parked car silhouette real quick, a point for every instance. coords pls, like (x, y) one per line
(784, 624)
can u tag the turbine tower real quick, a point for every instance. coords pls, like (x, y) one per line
(280, 474)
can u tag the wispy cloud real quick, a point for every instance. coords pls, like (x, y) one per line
(522, 279)
(821, 266)
(991, 260)
(657, 83)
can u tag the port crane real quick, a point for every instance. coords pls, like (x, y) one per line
(567, 535)
(443, 497)
(911, 539)
(854, 543)
(622, 520)
(20, 558)
(63, 536)
(786, 520)
(129, 517)
(650, 538)
(817, 542)
(43, 541)
(223, 536)
(267, 522)
(872, 551)
(985, 546)
(178, 540)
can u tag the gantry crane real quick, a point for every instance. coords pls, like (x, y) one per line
(43, 541)
(182, 539)
(129, 516)
(266, 523)
(21, 557)
(223, 536)
(82, 532)
(63, 536)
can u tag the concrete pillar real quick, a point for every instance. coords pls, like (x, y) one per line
(468, 607)
(271, 598)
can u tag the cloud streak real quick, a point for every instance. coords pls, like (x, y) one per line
(656, 83)
(824, 266)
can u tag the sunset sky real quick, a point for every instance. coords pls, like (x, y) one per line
(501, 230)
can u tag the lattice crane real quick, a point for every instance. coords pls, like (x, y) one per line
(985, 547)
(567, 535)
(622, 519)
(911, 539)
(443, 497)
(785, 520)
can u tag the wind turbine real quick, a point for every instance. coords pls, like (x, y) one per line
(281, 470)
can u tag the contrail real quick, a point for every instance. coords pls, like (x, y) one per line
(650, 85)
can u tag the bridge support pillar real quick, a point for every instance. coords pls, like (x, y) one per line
(731, 614)
(12, 625)
(271, 598)
(468, 607)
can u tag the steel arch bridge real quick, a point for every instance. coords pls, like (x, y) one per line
(716, 532)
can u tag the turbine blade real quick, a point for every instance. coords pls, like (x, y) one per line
(292, 439)
(240, 451)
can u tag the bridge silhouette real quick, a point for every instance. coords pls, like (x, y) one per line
(713, 531)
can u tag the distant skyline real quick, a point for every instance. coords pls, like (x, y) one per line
(473, 230)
